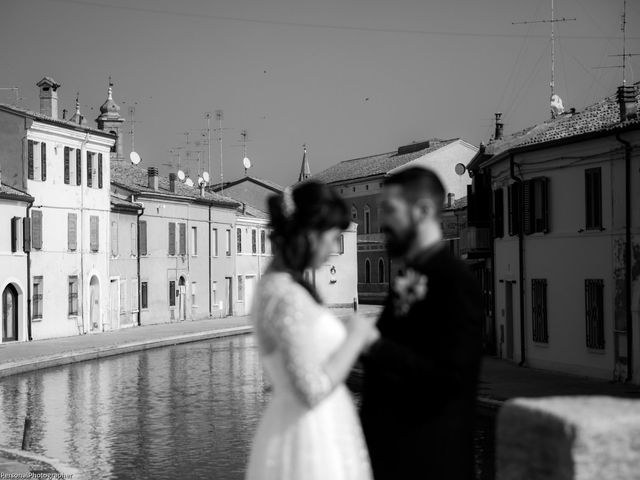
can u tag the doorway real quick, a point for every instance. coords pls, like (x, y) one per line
(250, 288)
(228, 293)
(182, 299)
(94, 304)
(114, 303)
(508, 312)
(10, 314)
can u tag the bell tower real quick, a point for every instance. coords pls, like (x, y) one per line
(111, 121)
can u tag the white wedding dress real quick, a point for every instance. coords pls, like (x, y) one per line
(310, 429)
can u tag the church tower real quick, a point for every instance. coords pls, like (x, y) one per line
(305, 170)
(111, 121)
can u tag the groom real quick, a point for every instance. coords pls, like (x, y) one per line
(420, 378)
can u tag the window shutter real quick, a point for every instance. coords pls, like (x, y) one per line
(78, 167)
(72, 231)
(471, 205)
(183, 239)
(143, 237)
(30, 159)
(545, 204)
(15, 233)
(43, 161)
(26, 235)
(89, 169)
(99, 170)
(172, 238)
(94, 223)
(114, 239)
(36, 215)
(66, 165)
(498, 213)
(527, 205)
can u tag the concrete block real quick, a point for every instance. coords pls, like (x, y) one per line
(568, 438)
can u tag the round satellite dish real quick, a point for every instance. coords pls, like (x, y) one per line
(189, 182)
(460, 168)
(181, 175)
(205, 175)
(135, 158)
(246, 162)
(200, 180)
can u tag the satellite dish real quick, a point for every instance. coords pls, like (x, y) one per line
(460, 168)
(189, 182)
(246, 162)
(200, 180)
(205, 175)
(557, 108)
(135, 158)
(181, 175)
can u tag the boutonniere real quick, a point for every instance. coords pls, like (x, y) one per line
(409, 289)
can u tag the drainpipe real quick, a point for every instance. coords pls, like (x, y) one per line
(210, 260)
(627, 253)
(520, 263)
(140, 213)
(29, 337)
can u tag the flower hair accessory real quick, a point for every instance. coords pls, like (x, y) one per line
(288, 205)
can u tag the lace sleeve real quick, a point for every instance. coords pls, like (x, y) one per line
(289, 326)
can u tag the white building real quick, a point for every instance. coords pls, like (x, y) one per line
(64, 166)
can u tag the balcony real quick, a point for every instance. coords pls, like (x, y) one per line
(475, 242)
(371, 238)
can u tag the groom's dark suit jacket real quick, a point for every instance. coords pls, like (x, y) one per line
(420, 378)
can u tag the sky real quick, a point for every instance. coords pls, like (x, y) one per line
(348, 78)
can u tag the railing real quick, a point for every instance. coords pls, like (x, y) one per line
(371, 237)
(475, 242)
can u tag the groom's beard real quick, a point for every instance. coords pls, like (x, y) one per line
(399, 243)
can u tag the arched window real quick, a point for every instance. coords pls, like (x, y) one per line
(114, 148)
(367, 271)
(381, 271)
(367, 219)
(354, 213)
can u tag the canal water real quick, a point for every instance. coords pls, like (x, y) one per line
(186, 411)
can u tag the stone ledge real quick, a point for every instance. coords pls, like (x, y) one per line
(36, 464)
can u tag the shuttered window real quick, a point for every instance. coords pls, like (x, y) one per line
(94, 233)
(134, 295)
(172, 238)
(228, 243)
(593, 198)
(263, 242)
(16, 233)
(143, 237)
(67, 166)
(72, 231)
(144, 295)
(194, 240)
(254, 241)
(513, 201)
(239, 239)
(594, 313)
(43, 161)
(89, 169)
(26, 234)
(498, 213)
(38, 297)
(78, 167)
(30, 159)
(114, 239)
(214, 241)
(73, 295)
(539, 310)
(134, 240)
(36, 229)
(536, 205)
(99, 170)
(172, 293)
(183, 239)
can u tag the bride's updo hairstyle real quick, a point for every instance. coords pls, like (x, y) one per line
(308, 207)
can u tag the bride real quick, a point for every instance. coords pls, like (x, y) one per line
(310, 430)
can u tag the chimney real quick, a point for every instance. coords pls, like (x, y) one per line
(153, 177)
(172, 182)
(202, 190)
(49, 97)
(627, 102)
(451, 198)
(499, 127)
(244, 208)
(64, 113)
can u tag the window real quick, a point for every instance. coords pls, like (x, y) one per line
(183, 239)
(134, 239)
(379, 219)
(194, 241)
(214, 240)
(144, 295)
(43, 161)
(36, 160)
(38, 297)
(354, 213)
(381, 271)
(67, 166)
(594, 313)
(99, 170)
(498, 213)
(114, 147)
(16, 234)
(123, 295)
(72, 232)
(593, 198)
(514, 205)
(240, 288)
(90, 169)
(172, 238)
(367, 271)
(193, 293)
(78, 167)
(94, 225)
(114, 239)
(239, 240)
(73, 295)
(172, 293)
(143, 237)
(339, 248)
(263, 242)
(367, 219)
(254, 241)
(134, 295)
(228, 243)
(536, 205)
(539, 310)
(30, 160)
(214, 292)
(36, 229)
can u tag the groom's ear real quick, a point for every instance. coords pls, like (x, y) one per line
(423, 208)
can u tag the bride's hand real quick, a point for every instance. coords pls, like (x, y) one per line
(363, 330)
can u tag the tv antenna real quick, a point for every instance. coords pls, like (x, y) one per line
(624, 53)
(243, 143)
(219, 117)
(552, 21)
(207, 115)
(132, 131)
